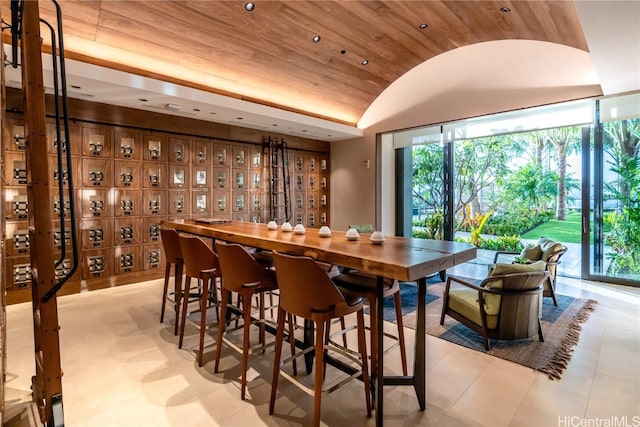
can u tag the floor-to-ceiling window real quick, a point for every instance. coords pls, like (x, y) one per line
(614, 220)
(503, 181)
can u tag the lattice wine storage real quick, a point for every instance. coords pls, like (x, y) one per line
(126, 181)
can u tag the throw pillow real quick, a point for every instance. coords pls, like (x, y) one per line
(532, 253)
(548, 247)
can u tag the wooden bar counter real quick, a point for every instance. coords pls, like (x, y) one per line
(400, 258)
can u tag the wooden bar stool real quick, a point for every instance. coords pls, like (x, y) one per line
(202, 263)
(242, 274)
(307, 291)
(173, 255)
(365, 285)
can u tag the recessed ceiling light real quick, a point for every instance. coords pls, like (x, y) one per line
(342, 52)
(76, 87)
(505, 9)
(316, 39)
(143, 99)
(212, 112)
(365, 62)
(249, 6)
(423, 26)
(275, 124)
(240, 118)
(196, 109)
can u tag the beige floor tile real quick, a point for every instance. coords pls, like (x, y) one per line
(123, 368)
(452, 376)
(544, 403)
(612, 397)
(496, 394)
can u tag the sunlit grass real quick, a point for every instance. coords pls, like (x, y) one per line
(567, 231)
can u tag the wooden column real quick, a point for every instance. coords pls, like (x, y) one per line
(47, 382)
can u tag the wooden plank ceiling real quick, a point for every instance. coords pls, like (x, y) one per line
(271, 49)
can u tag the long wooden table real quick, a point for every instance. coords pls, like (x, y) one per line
(400, 258)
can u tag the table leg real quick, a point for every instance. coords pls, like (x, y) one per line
(378, 371)
(419, 364)
(308, 342)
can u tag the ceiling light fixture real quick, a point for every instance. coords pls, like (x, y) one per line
(316, 39)
(143, 99)
(505, 9)
(424, 26)
(196, 109)
(249, 6)
(365, 62)
(174, 107)
(342, 52)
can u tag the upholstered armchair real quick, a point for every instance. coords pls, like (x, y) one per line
(505, 306)
(545, 250)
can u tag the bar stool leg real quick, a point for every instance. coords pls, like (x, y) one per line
(167, 272)
(203, 317)
(177, 293)
(401, 342)
(187, 289)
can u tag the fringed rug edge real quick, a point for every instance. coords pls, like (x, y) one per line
(561, 358)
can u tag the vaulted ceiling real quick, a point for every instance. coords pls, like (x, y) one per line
(268, 55)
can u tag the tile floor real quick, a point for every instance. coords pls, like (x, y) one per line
(123, 368)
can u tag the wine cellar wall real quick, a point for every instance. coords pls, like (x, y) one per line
(127, 180)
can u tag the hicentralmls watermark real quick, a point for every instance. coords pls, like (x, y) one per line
(613, 421)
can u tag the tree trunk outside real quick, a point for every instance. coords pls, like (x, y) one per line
(561, 209)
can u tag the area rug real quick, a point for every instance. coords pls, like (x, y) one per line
(561, 327)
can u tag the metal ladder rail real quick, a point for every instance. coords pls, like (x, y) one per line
(286, 179)
(280, 181)
(273, 180)
(63, 145)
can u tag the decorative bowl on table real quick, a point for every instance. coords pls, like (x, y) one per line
(324, 231)
(286, 226)
(352, 234)
(377, 238)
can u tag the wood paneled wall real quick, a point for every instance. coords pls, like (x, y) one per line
(131, 170)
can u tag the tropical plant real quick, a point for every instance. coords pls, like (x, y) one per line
(427, 173)
(624, 235)
(531, 186)
(480, 163)
(565, 140)
(475, 224)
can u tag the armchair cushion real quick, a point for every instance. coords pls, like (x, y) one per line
(465, 302)
(492, 302)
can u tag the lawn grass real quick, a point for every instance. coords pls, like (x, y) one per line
(568, 231)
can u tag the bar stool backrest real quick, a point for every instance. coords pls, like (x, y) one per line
(239, 269)
(198, 256)
(171, 244)
(305, 287)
